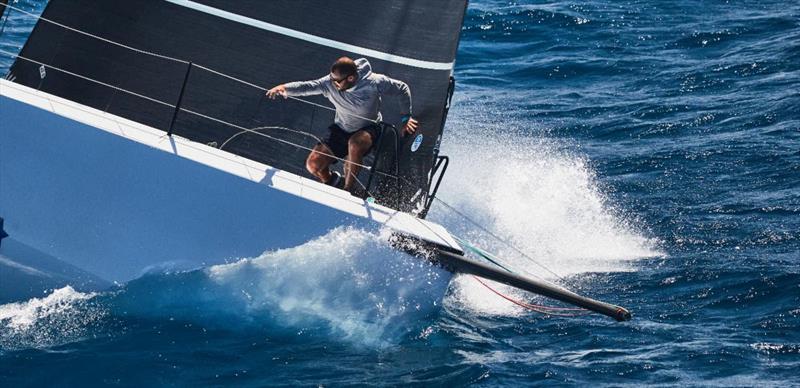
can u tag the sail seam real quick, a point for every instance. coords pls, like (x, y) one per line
(312, 38)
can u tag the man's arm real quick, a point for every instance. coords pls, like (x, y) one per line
(392, 87)
(299, 88)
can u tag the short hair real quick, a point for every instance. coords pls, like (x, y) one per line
(344, 66)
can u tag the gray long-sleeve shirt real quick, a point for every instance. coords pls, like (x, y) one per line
(362, 99)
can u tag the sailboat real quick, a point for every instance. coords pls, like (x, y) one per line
(136, 136)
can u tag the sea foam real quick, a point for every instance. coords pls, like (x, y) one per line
(536, 196)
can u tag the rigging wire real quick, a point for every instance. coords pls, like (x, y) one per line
(500, 239)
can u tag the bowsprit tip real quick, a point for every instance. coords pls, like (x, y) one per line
(623, 315)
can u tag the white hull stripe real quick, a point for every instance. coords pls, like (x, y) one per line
(313, 38)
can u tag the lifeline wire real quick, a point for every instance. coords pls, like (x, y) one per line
(368, 168)
(95, 36)
(177, 60)
(89, 79)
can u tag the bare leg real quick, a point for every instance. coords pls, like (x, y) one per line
(357, 147)
(318, 164)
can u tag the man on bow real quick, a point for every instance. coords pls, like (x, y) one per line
(355, 91)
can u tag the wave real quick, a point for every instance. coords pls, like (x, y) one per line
(349, 285)
(63, 316)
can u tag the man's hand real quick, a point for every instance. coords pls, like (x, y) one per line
(411, 126)
(279, 90)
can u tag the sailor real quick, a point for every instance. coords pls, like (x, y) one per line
(356, 93)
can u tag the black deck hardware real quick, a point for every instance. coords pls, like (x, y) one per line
(3, 233)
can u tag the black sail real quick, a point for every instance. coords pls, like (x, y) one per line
(263, 43)
(3, 14)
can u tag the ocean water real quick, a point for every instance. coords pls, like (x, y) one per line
(645, 153)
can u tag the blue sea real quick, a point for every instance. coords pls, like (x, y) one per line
(646, 153)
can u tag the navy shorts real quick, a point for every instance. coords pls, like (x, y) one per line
(337, 139)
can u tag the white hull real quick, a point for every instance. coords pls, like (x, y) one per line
(115, 198)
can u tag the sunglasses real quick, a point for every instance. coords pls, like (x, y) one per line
(340, 80)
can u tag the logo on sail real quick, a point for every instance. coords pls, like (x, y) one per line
(417, 142)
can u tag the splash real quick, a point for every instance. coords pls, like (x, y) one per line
(348, 284)
(350, 280)
(63, 316)
(537, 196)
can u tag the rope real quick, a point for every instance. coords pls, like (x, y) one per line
(496, 262)
(270, 127)
(549, 310)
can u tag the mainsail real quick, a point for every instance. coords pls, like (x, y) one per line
(264, 43)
